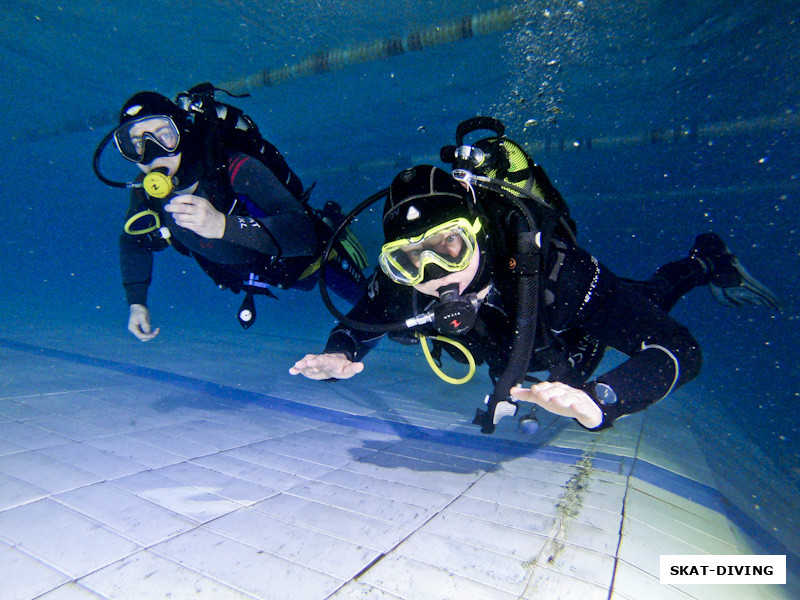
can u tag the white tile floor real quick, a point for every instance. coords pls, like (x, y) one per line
(127, 471)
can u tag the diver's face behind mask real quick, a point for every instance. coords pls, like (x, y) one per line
(446, 248)
(143, 140)
(463, 278)
(152, 142)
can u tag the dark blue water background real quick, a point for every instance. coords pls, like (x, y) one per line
(595, 89)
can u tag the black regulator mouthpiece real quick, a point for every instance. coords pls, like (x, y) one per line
(454, 314)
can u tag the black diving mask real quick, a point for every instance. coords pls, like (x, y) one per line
(148, 138)
(143, 147)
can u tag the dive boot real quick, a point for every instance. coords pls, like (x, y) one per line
(730, 283)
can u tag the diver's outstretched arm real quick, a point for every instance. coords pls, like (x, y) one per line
(139, 323)
(561, 399)
(326, 366)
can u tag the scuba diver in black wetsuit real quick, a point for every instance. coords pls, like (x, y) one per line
(215, 190)
(487, 258)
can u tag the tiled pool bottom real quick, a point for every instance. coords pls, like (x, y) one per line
(123, 480)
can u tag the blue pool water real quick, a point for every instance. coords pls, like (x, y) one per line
(657, 121)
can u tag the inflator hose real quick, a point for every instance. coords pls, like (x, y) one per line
(96, 162)
(323, 288)
(526, 322)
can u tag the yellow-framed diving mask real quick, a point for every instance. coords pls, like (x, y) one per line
(451, 246)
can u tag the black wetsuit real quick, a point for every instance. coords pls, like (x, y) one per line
(269, 235)
(586, 309)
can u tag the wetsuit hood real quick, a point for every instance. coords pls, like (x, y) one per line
(420, 198)
(190, 147)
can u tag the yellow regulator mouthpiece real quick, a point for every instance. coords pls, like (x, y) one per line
(157, 184)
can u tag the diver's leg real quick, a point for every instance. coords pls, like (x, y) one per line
(709, 263)
(671, 281)
(730, 283)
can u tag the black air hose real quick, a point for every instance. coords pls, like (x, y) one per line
(526, 322)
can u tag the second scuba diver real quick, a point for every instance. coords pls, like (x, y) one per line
(216, 191)
(487, 257)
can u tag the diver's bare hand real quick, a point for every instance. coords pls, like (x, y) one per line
(139, 323)
(561, 399)
(197, 214)
(326, 366)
